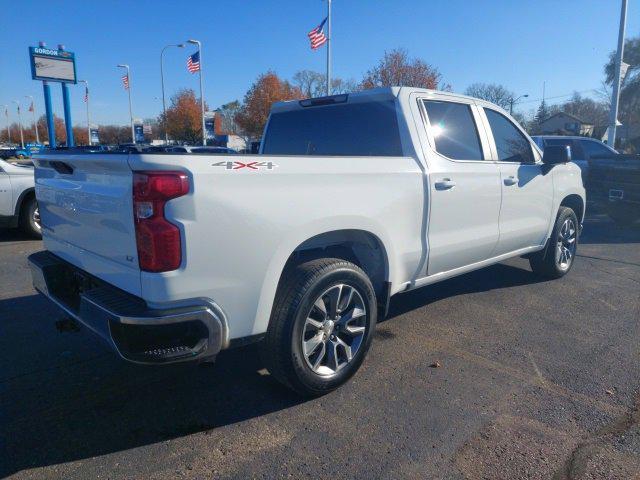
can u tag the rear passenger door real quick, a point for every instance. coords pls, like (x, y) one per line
(464, 186)
(527, 186)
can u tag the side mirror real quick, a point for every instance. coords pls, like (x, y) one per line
(555, 154)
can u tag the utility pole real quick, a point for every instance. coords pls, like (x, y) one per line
(615, 97)
(328, 47)
(513, 101)
(164, 105)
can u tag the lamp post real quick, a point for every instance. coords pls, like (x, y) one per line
(513, 101)
(86, 100)
(204, 133)
(164, 105)
(6, 113)
(35, 121)
(20, 123)
(133, 133)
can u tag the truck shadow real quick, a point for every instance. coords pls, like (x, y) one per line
(77, 400)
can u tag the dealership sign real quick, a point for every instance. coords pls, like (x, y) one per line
(52, 65)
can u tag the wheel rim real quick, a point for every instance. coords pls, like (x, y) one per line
(566, 246)
(334, 330)
(36, 218)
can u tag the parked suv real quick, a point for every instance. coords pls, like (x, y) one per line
(354, 198)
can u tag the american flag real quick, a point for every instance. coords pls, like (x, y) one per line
(317, 37)
(125, 81)
(193, 62)
(31, 107)
(86, 93)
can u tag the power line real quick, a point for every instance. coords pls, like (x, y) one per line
(536, 100)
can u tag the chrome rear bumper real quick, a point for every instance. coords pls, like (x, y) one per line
(139, 334)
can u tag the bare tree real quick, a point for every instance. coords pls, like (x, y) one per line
(314, 84)
(491, 92)
(396, 69)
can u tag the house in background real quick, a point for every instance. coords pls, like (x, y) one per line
(563, 123)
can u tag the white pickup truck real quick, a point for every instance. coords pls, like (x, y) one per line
(352, 199)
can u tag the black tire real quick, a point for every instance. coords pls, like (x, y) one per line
(299, 292)
(29, 218)
(546, 263)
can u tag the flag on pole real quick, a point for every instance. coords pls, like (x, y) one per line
(193, 62)
(86, 93)
(31, 108)
(317, 36)
(125, 81)
(6, 112)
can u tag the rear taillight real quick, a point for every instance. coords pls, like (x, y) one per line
(158, 240)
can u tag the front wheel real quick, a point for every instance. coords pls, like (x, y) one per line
(30, 218)
(321, 326)
(556, 260)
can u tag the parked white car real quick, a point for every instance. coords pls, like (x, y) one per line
(18, 206)
(354, 198)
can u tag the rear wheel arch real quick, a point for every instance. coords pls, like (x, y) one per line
(22, 199)
(359, 247)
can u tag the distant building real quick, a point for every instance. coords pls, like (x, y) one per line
(563, 123)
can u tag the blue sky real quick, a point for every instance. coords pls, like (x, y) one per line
(518, 44)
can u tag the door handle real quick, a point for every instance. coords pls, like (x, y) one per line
(511, 180)
(445, 184)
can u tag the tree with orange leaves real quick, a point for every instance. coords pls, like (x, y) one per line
(266, 90)
(184, 117)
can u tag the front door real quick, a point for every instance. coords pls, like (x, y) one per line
(6, 203)
(464, 188)
(527, 187)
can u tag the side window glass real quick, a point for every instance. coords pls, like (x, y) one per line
(454, 130)
(511, 144)
(595, 149)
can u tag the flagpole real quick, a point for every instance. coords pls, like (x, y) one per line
(35, 122)
(6, 114)
(199, 44)
(86, 86)
(133, 132)
(328, 47)
(20, 123)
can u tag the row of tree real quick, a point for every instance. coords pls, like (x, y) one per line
(182, 121)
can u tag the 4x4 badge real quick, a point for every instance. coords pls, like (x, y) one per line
(236, 165)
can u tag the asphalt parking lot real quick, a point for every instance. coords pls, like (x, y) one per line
(537, 379)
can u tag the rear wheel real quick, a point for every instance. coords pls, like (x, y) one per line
(30, 218)
(557, 259)
(321, 326)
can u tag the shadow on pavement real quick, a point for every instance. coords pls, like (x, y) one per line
(97, 404)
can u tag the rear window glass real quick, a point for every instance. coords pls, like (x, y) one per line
(351, 129)
(454, 130)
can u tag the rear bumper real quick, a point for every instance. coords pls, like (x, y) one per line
(137, 333)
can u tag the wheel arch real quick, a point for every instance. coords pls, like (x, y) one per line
(576, 203)
(364, 247)
(25, 195)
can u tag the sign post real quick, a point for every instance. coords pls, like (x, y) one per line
(51, 65)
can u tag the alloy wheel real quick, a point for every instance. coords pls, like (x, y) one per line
(334, 329)
(566, 245)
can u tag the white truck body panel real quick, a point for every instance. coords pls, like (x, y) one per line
(239, 226)
(14, 182)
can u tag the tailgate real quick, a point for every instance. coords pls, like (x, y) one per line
(86, 210)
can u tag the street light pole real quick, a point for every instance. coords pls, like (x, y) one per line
(6, 113)
(20, 123)
(204, 133)
(328, 47)
(86, 96)
(513, 101)
(133, 132)
(615, 97)
(35, 121)
(164, 105)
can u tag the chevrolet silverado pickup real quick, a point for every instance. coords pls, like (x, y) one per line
(18, 206)
(352, 198)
